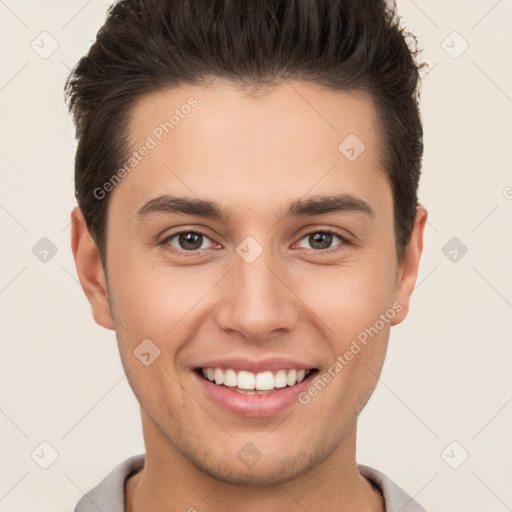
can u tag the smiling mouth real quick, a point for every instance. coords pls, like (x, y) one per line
(249, 383)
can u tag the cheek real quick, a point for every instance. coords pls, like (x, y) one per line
(355, 306)
(359, 318)
(150, 298)
(350, 297)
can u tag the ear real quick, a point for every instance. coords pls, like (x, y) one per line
(408, 271)
(90, 270)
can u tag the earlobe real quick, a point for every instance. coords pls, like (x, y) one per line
(408, 272)
(90, 270)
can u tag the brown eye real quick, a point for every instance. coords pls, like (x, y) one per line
(190, 241)
(187, 240)
(323, 240)
(320, 240)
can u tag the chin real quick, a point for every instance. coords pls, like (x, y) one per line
(260, 475)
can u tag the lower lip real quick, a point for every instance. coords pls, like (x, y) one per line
(254, 405)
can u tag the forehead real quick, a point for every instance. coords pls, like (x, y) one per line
(292, 120)
(226, 141)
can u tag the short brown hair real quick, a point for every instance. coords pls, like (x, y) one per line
(149, 45)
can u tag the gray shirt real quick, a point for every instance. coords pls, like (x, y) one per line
(108, 495)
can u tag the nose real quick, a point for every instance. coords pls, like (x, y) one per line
(256, 300)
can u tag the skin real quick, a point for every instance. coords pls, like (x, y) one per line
(252, 154)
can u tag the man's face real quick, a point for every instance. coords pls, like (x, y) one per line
(254, 291)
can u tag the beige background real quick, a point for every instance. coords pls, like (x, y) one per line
(447, 376)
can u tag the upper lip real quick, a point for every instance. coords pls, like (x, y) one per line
(250, 365)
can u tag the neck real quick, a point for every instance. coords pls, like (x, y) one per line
(169, 482)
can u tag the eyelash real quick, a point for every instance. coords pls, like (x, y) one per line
(197, 252)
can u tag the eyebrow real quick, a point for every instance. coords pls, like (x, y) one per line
(318, 205)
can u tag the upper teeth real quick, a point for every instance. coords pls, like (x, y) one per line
(247, 380)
